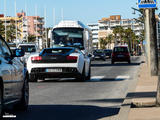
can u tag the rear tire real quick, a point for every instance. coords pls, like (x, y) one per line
(82, 77)
(89, 74)
(129, 62)
(33, 78)
(112, 62)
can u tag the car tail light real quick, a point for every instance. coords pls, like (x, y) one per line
(127, 54)
(72, 58)
(36, 58)
(113, 54)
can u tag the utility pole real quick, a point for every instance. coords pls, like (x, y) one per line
(151, 38)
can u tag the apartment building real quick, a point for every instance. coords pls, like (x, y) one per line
(94, 27)
(110, 23)
(32, 25)
(17, 21)
(26, 25)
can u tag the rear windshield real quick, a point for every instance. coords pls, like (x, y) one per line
(120, 49)
(56, 51)
(107, 51)
(98, 51)
(28, 48)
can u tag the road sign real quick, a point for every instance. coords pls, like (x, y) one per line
(147, 3)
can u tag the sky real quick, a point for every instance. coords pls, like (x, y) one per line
(87, 11)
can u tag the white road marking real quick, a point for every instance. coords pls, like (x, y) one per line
(97, 78)
(122, 77)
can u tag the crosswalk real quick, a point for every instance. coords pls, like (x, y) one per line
(103, 78)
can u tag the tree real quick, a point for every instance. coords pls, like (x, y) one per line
(103, 43)
(110, 39)
(31, 38)
(11, 31)
(128, 37)
(118, 34)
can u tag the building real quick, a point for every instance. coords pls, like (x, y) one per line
(32, 25)
(105, 27)
(110, 23)
(26, 25)
(94, 27)
(17, 21)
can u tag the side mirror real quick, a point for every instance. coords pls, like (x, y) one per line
(19, 52)
(89, 55)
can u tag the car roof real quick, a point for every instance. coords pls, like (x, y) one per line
(60, 48)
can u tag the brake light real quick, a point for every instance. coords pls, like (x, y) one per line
(127, 54)
(36, 58)
(113, 54)
(72, 57)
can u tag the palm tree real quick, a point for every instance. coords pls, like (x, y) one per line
(103, 43)
(31, 38)
(118, 34)
(110, 39)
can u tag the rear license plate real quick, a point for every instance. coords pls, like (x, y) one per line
(120, 56)
(53, 70)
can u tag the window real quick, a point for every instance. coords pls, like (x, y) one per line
(4, 48)
(68, 36)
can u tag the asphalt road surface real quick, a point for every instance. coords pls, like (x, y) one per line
(97, 99)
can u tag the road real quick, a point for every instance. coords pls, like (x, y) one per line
(96, 99)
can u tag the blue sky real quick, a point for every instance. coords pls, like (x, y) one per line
(87, 11)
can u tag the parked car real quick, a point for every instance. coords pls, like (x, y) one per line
(120, 54)
(12, 47)
(108, 52)
(99, 54)
(59, 62)
(29, 48)
(14, 88)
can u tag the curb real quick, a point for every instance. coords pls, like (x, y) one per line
(126, 105)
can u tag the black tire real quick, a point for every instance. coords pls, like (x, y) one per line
(33, 78)
(89, 74)
(112, 62)
(82, 77)
(129, 62)
(23, 103)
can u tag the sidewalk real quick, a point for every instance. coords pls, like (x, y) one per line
(144, 97)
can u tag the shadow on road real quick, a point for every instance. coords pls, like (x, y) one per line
(111, 100)
(66, 112)
(116, 64)
(91, 80)
(141, 95)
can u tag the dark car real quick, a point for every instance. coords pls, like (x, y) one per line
(108, 52)
(14, 88)
(99, 54)
(12, 47)
(120, 54)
